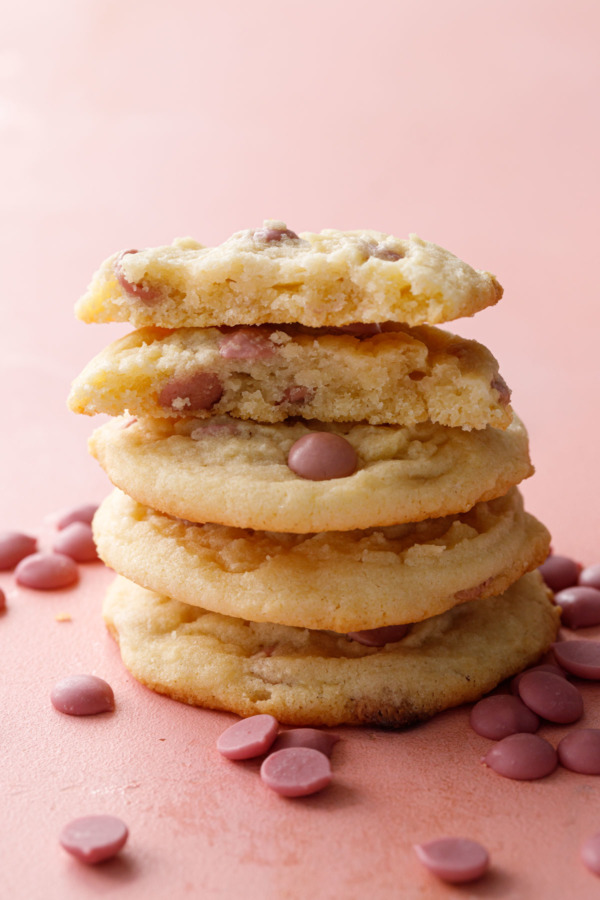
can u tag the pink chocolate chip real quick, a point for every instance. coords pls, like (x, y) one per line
(544, 667)
(270, 235)
(92, 839)
(77, 541)
(581, 658)
(296, 771)
(560, 572)
(590, 576)
(248, 738)
(551, 697)
(378, 637)
(580, 606)
(15, 546)
(84, 513)
(146, 293)
(380, 251)
(590, 854)
(322, 455)
(500, 715)
(455, 860)
(297, 394)
(579, 751)
(523, 757)
(246, 343)
(323, 741)
(498, 384)
(358, 329)
(82, 695)
(47, 571)
(199, 391)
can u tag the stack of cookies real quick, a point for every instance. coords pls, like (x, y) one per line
(315, 511)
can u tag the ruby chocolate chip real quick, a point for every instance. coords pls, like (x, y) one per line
(498, 384)
(246, 343)
(544, 667)
(456, 860)
(379, 637)
(146, 293)
(274, 235)
(323, 741)
(47, 571)
(500, 715)
(82, 695)
(83, 513)
(580, 606)
(560, 572)
(590, 576)
(92, 839)
(523, 757)
(380, 251)
(551, 697)
(297, 394)
(296, 771)
(196, 392)
(249, 737)
(579, 751)
(321, 455)
(590, 854)
(15, 546)
(77, 541)
(580, 658)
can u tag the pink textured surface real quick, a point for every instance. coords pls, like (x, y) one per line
(123, 125)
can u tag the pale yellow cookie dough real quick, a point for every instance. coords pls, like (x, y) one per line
(342, 581)
(305, 677)
(331, 278)
(400, 376)
(236, 473)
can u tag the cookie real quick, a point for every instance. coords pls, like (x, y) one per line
(237, 473)
(272, 275)
(342, 580)
(399, 376)
(305, 677)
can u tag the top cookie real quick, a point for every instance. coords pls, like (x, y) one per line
(272, 275)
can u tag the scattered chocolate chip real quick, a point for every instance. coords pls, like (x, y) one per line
(580, 658)
(82, 695)
(77, 541)
(590, 576)
(580, 606)
(47, 571)
(560, 572)
(455, 860)
(498, 716)
(296, 771)
(249, 737)
(93, 839)
(82, 513)
(524, 757)
(579, 751)
(15, 546)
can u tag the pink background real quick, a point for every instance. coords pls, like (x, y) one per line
(123, 124)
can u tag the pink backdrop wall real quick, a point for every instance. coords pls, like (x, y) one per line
(474, 124)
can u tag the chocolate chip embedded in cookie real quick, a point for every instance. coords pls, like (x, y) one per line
(344, 581)
(309, 677)
(238, 473)
(391, 375)
(272, 274)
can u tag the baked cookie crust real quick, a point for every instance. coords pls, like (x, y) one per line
(305, 677)
(235, 473)
(340, 581)
(268, 373)
(330, 278)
